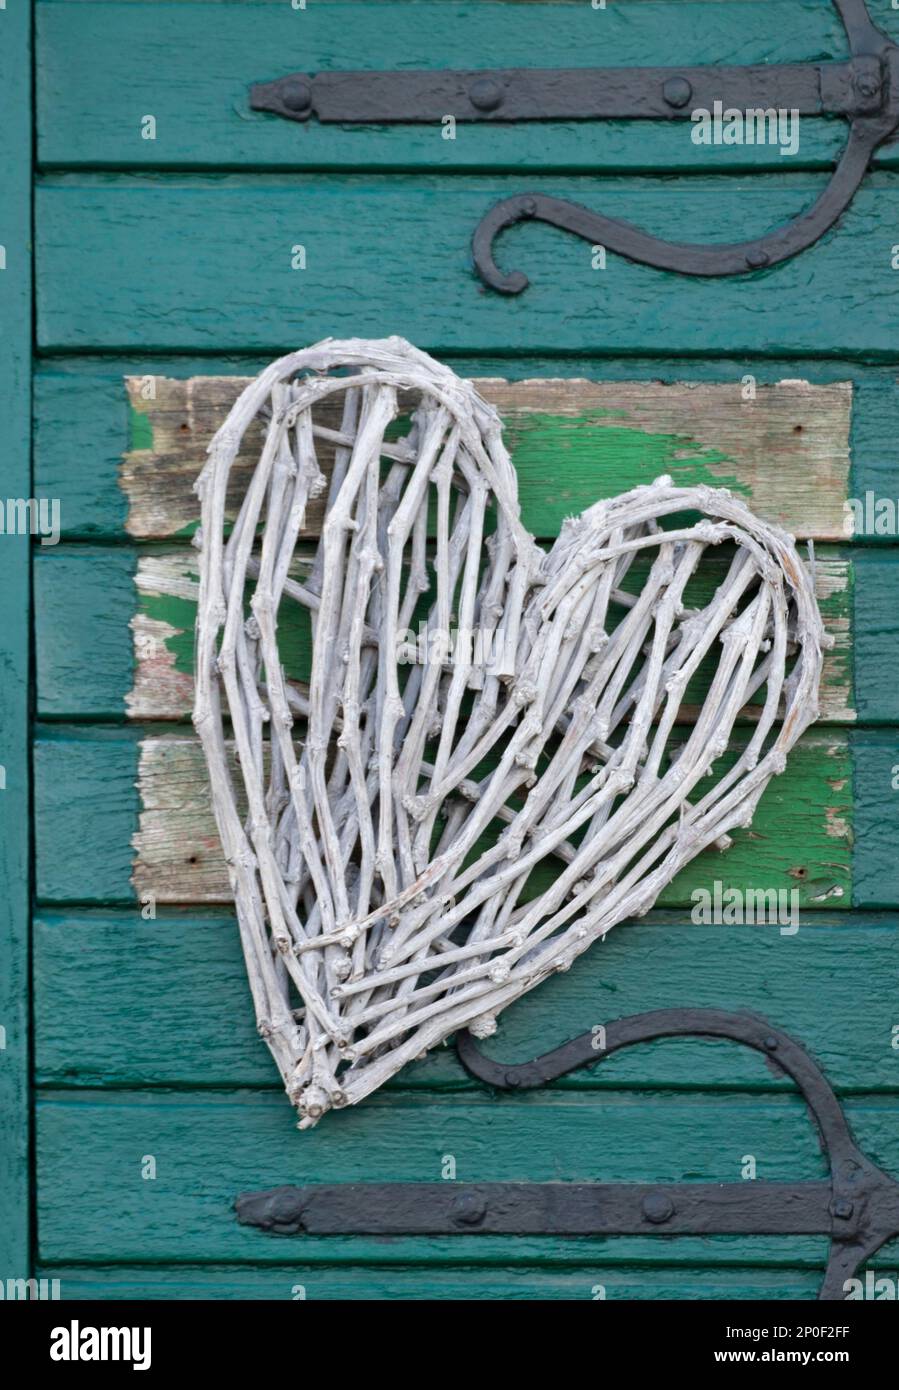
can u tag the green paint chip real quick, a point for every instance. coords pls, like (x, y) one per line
(140, 429)
(597, 460)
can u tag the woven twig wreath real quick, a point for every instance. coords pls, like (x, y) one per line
(430, 828)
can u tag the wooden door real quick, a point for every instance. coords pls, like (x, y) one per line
(167, 222)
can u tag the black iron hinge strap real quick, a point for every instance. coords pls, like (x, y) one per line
(539, 1208)
(858, 1208)
(864, 90)
(499, 95)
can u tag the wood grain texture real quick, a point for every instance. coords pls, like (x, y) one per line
(564, 436)
(83, 421)
(177, 259)
(876, 797)
(154, 790)
(112, 990)
(800, 839)
(154, 251)
(162, 626)
(84, 653)
(594, 1279)
(208, 1147)
(15, 480)
(86, 810)
(88, 117)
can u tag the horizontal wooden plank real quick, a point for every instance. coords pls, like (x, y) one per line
(112, 991)
(135, 614)
(88, 116)
(205, 262)
(800, 838)
(594, 1279)
(98, 788)
(86, 810)
(786, 450)
(209, 1147)
(83, 420)
(84, 651)
(876, 800)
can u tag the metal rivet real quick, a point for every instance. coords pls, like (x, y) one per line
(677, 91)
(868, 86)
(469, 1209)
(296, 94)
(771, 1044)
(485, 94)
(757, 259)
(529, 207)
(511, 1078)
(658, 1208)
(843, 1208)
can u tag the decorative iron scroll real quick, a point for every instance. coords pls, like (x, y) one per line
(857, 1206)
(863, 90)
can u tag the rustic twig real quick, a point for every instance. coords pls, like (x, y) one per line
(390, 872)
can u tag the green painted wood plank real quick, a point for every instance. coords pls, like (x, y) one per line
(592, 1281)
(82, 425)
(86, 597)
(141, 262)
(15, 481)
(79, 425)
(89, 117)
(875, 627)
(876, 799)
(786, 451)
(84, 651)
(85, 813)
(875, 471)
(112, 991)
(87, 809)
(209, 1147)
(800, 839)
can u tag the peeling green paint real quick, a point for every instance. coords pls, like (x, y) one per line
(179, 614)
(140, 429)
(593, 459)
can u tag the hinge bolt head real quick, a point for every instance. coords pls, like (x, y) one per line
(296, 94)
(469, 1210)
(868, 86)
(677, 91)
(843, 1208)
(485, 94)
(658, 1208)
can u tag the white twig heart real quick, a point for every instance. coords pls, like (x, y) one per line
(443, 817)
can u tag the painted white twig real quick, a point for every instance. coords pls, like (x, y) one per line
(389, 869)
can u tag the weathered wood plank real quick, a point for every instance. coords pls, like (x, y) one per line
(594, 1279)
(15, 605)
(82, 415)
(112, 990)
(786, 450)
(88, 117)
(205, 262)
(97, 787)
(800, 839)
(166, 599)
(209, 1147)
